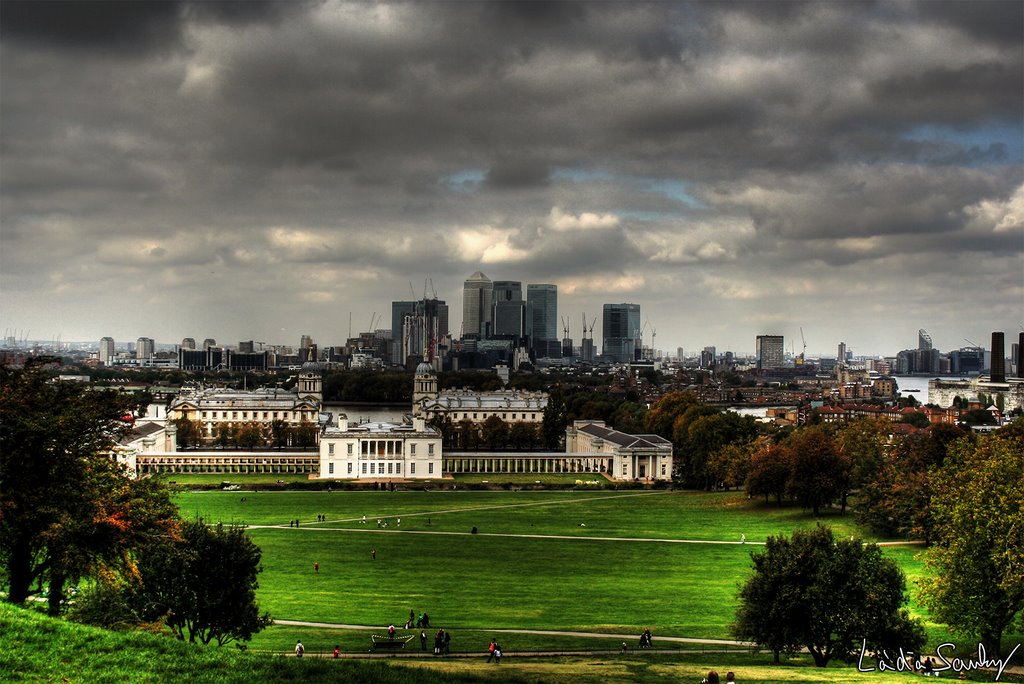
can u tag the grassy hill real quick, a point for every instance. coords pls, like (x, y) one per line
(36, 648)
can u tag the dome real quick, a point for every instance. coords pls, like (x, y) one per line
(424, 369)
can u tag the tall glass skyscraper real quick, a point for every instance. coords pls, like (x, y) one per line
(476, 306)
(542, 320)
(509, 319)
(620, 330)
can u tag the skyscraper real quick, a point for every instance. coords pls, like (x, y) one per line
(509, 317)
(998, 371)
(476, 306)
(106, 350)
(620, 328)
(145, 348)
(542, 320)
(770, 351)
(188, 343)
(1020, 356)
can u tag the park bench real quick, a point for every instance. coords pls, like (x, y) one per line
(386, 643)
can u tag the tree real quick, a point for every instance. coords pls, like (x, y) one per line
(67, 509)
(768, 469)
(203, 584)
(917, 419)
(555, 420)
(494, 434)
(817, 475)
(827, 596)
(976, 583)
(189, 433)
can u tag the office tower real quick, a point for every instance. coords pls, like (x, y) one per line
(621, 328)
(707, 357)
(476, 306)
(841, 354)
(542, 320)
(416, 328)
(144, 348)
(924, 340)
(1019, 355)
(769, 351)
(188, 343)
(305, 342)
(246, 347)
(106, 350)
(998, 370)
(209, 343)
(509, 310)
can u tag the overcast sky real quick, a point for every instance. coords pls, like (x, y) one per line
(261, 171)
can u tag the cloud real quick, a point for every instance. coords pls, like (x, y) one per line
(561, 221)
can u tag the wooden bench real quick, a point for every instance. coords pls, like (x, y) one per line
(386, 643)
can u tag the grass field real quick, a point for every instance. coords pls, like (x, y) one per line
(595, 561)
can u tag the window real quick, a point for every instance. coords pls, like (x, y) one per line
(245, 415)
(390, 472)
(364, 469)
(430, 468)
(204, 414)
(412, 449)
(624, 469)
(412, 468)
(398, 469)
(373, 468)
(430, 450)
(330, 450)
(234, 414)
(349, 468)
(350, 448)
(330, 468)
(662, 468)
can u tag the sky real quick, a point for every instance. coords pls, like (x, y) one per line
(258, 170)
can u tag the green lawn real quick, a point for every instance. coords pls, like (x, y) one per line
(531, 566)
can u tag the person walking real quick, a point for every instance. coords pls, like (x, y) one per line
(316, 568)
(423, 640)
(447, 642)
(299, 649)
(373, 554)
(337, 651)
(490, 650)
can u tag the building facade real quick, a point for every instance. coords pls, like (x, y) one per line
(106, 350)
(476, 306)
(620, 455)
(542, 320)
(769, 350)
(376, 451)
(620, 330)
(217, 409)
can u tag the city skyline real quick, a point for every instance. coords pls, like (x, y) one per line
(267, 170)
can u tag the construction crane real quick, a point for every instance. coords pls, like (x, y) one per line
(803, 354)
(565, 326)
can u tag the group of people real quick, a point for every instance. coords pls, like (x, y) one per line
(442, 642)
(712, 678)
(320, 517)
(494, 652)
(645, 638)
(422, 621)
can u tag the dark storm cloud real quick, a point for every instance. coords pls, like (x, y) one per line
(336, 150)
(115, 26)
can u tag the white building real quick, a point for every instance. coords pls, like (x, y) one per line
(625, 456)
(512, 406)
(377, 451)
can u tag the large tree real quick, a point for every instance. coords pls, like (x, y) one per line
(818, 475)
(67, 509)
(203, 584)
(825, 595)
(976, 583)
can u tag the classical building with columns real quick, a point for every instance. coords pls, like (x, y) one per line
(213, 407)
(626, 457)
(512, 406)
(376, 450)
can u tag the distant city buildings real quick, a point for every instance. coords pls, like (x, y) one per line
(476, 306)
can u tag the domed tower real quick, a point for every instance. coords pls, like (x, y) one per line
(311, 383)
(424, 388)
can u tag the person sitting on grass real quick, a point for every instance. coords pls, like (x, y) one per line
(712, 678)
